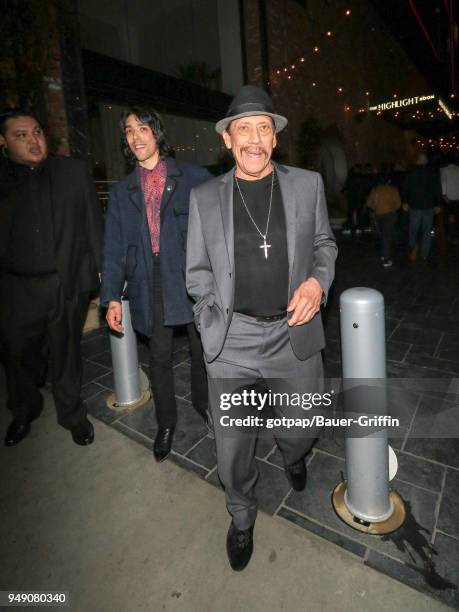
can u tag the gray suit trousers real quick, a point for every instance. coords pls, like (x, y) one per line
(258, 355)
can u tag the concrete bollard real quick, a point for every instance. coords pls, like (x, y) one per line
(365, 500)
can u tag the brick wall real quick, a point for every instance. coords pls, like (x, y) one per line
(252, 42)
(57, 126)
(32, 76)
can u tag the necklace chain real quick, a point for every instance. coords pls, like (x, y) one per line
(248, 211)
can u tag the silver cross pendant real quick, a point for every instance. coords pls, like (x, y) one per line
(265, 247)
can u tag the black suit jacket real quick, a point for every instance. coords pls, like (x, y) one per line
(76, 217)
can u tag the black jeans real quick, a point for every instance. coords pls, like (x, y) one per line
(386, 224)
(35, 316)
(161, 364)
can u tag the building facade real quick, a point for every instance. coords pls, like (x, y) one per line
(325, 63)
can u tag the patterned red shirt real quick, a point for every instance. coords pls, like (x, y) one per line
(153, 182)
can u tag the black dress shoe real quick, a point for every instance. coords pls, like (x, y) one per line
(15, 433)
(239, 546)
(83, 433)
(296, 475)
(163, 443)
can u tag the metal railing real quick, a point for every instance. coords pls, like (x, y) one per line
(103, 189)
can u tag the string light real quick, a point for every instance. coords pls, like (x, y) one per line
(288, 69)
(316, 49)
(441, 143)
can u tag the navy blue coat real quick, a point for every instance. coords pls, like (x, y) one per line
(127, 253)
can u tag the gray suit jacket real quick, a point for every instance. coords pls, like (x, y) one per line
(210, 254)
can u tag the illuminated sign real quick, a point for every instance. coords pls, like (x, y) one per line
(444, 108)
(402, 103)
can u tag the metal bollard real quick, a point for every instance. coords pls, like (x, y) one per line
(365, 501)
(126, 373)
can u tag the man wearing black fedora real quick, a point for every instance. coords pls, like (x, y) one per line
(260, 262)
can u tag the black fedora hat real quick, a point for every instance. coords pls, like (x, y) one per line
(249, 101)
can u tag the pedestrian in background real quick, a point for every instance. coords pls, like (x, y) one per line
(422, 198)
(384, 201)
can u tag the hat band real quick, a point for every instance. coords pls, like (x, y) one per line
(248, 107)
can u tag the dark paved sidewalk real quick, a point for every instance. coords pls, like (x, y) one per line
(422, 317)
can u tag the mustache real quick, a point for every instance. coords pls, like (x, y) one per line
(261, 149)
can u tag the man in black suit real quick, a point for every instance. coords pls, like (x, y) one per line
(50, 236)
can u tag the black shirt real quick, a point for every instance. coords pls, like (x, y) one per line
(261, 285)
(30, 250)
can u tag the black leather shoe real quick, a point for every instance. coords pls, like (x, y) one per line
(163, 443)
(83, 433)
(15, 433)
(296, 475)
(239, 546)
